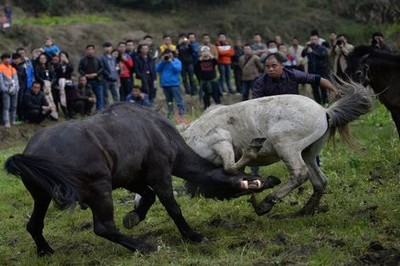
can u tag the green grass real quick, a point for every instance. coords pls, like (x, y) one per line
(358, 183)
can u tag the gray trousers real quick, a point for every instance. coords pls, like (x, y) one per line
(110, 87)
(9, 107)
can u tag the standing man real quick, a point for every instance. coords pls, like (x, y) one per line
(206, 41)
(110, 74)
(225, 54)
(339, 53)
(28, 66)
(170, 68)
(237, 71)
(296, 49)
(251, 67)
(318, 64)
(91, 67)
(195, 45)
(21, 73)
(185, 55)
(125, 65)
(145, 71)
(9, 88)
(131, 50)
(259, 47)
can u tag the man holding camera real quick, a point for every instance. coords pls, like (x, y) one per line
(318, 64)
(170, 68)
(378, 43)
(185, 53)
(339, 53)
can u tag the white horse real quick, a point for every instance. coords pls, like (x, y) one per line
(263, 131)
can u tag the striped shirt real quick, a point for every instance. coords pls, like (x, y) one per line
(287, 83)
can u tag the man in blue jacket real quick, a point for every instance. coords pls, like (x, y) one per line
(170, 68)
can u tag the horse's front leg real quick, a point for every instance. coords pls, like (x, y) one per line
(101, 204)
(163, 190)
(298, 174)
(225, 150)
(144, 203)
(395, 112)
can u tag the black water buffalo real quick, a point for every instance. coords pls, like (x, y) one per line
(125, 146)
(381, 71)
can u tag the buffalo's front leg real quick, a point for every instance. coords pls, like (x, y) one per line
(101, 204)
(164, 192)
(139, 214)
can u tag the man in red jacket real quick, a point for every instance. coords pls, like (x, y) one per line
(225, 54)
(125, 67)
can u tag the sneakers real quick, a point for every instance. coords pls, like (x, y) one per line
(7, 125)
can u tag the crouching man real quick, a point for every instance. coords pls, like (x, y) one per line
(35, 106)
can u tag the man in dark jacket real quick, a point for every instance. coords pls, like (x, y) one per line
(22, 77)
(36, 108)
(110, 74)
(145, 70)
(91, 67)
(318, 63)
(185, 55)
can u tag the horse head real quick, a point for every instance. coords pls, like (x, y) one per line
(357, 64)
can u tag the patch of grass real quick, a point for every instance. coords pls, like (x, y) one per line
(361, 205)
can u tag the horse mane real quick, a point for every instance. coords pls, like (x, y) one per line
(375, 54)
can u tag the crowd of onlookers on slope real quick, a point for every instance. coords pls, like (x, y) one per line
(45, 83)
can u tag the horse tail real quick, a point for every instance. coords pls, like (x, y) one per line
(47, 175)
(354, 102)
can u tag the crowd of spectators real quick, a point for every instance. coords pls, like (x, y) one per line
(46, 84)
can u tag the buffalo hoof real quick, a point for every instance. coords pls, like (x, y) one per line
(130, 220)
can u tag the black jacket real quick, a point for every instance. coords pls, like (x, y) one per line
(83, 63)
(34, 102)
(144, 68)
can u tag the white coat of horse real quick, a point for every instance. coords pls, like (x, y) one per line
(262, 131)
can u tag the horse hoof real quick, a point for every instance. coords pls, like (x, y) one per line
(147, 248)
(271, 181)
(196, 238)
(46, 251)
(130, 220)
(265, 206)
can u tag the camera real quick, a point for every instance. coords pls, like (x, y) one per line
(339, 42)
(166, 57)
